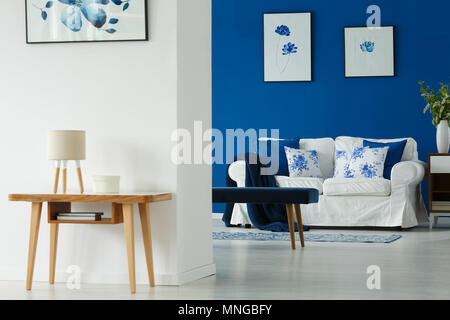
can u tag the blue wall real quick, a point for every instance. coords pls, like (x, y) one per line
(331, 105)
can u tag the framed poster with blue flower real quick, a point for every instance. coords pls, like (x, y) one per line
(287, 47)
(50, 21)
(369, 51)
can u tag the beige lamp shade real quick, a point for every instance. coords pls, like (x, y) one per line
(66, 145)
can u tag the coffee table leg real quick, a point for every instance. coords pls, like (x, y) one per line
(298, 214)
(144, 212)
(290, 216)
(36, 210)
(129, 236)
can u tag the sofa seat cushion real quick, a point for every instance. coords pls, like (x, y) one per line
(357, 187)
(300, 182)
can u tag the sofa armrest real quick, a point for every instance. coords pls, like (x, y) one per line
(408, 172)
(236, 171)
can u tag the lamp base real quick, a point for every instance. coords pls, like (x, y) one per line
(64, 177)
(55, 186)
(80, 180)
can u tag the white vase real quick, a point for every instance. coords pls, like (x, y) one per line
(443, 137)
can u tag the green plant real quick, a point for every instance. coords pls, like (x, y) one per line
(438, 102)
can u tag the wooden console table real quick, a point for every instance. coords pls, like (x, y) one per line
(122, 212)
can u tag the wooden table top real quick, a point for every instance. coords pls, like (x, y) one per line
(113, 198)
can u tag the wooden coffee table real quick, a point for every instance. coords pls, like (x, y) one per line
(122, 212)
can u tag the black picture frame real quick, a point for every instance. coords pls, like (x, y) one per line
(86, 41)
(393, 54)
(311, 53)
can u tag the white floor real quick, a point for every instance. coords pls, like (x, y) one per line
(415, 267)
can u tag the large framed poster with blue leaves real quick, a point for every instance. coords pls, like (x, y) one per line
(287, 47)
(50, 21)
(369, 51)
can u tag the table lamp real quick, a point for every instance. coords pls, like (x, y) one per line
(65, 145)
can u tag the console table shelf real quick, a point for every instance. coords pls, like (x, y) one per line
(102, 221)
(438, 186)
(63, 207)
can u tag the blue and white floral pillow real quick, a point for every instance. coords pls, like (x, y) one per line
(360, 163)
(303, 163)
(340, 163)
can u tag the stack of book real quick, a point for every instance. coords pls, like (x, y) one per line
(79, 216)
(441, 205)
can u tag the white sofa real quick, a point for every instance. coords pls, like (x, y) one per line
(353, 202)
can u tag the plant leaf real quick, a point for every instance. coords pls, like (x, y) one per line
(110, 30)
(44, 15)
(113, 20)
(49, 4)
(117, 2)
(125, 6)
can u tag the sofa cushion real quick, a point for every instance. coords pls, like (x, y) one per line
(350, 143)
(278, 146)
(300, 182)
(303, 163)
(357, 187)
(325, 151)
(360, 163)
(394, 154)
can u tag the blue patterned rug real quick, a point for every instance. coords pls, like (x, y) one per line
(284, 236)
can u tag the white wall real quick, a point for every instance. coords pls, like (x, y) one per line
(194, 104)
(127, 97)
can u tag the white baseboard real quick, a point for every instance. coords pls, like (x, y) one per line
(192, 275)
(116, 278)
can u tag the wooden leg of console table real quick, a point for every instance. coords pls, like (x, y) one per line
(36, 210)
(129, 236)
(54, 229)
(144, 212)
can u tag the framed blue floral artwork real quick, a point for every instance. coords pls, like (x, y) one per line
(287, 47)
(369, 51)
(50, 21)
